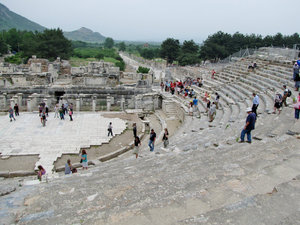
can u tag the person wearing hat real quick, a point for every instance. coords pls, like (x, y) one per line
(249, 126)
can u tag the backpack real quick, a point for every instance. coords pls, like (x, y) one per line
(278, 98)
(289, 93)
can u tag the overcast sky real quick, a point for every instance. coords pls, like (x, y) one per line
(156, 20)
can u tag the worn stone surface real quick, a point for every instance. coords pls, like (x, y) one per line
(5, 190)
(26, 136)
(191, 181)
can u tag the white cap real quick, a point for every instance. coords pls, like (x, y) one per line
(249, 109)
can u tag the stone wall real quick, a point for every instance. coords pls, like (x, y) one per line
(42, 72)
(86, 95)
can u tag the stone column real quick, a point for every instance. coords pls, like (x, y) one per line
(29, 109)
(45, 101)
(77, 104)
(108, 102)
(20, 97)
(122, 103)
(4, 100)
(61, 101)
(138, 101)
(49, 100)
(94, 102)
(16, 100)
(34, 101)
(81, 96)
(12, 102)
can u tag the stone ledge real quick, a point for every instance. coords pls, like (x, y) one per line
(21, 173)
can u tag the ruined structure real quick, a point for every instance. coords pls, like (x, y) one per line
(92, 87)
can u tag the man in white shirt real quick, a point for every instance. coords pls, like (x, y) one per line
(255, 103)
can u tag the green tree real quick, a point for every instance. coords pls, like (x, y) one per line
(143, 70)
(170, 49)
(189, 47)
(3, 46)
(15, 59)
(53, 44)
(188, 54)
(121, 65)
(278, 40)
(122, 46)
(99, 55)
(29, 45)
(109, 43)
(147, 53)
(13, 38)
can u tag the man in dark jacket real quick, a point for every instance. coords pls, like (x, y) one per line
(249, 126)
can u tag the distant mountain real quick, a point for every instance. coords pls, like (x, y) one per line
(85, 34)
(9, 20)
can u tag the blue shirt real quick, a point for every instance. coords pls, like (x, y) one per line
(256, 100)
(195, 101)
(67, 169)
(251, 119)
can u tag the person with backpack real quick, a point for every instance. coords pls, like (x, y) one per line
(286, 93)
(296, 76)
(278, 103)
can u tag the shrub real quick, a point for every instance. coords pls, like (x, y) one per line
(15, 59)
(143, 70)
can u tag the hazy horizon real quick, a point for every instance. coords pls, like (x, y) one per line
(144, 20)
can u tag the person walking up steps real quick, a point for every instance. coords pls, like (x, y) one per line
(110, 129)
(134, 129)
(212, 112)
(195, 105)
(255, 103)
(277, 103)
(166, 138)
(152, 140)
(249, 126)
(217, 100)
(137, 143)
(11, 114)
(286, 93)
